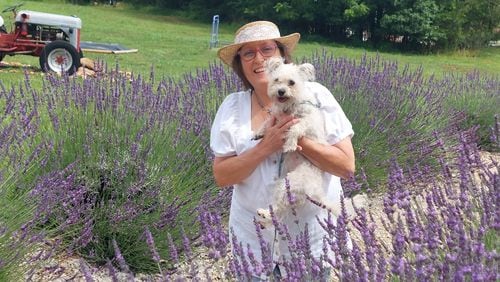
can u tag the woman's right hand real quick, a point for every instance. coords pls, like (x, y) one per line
(234, 169)
(275, 134)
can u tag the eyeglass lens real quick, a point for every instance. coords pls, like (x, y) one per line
(265, 51)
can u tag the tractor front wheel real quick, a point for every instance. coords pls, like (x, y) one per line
(59, 56)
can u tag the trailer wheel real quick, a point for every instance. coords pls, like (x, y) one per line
(59, 56)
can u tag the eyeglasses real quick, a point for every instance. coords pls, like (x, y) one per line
(265, 50)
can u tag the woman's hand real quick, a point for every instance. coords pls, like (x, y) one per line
(337, 159)
(234, 169)
(275, 134)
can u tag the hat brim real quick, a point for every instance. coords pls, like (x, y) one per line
(228, 52)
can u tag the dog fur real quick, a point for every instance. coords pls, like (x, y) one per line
(286, 87)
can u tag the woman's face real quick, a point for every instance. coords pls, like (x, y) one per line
(253, 56)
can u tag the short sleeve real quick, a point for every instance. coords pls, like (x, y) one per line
(222, 139)
(337, 125)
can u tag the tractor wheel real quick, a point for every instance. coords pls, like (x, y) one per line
(59, 56)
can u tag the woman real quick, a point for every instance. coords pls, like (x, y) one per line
(251, 166)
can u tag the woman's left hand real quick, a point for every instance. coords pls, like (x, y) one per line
(337, 159)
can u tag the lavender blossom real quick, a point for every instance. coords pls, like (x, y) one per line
(86, 271)
(119, 257)
(152, 246)
(173, 249)
(112, 271)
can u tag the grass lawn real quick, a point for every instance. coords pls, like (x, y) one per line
(175, 46)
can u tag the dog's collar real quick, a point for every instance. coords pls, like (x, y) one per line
(306, 102)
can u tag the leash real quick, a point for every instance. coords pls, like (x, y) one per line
(280, 164)
(307, 102)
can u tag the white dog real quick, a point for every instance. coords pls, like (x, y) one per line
(287, 90)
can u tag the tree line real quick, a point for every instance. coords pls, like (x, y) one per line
(417, 25)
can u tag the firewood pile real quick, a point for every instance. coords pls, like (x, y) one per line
(87, 68)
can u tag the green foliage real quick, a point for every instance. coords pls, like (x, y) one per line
(416, 21)
(390, 118)
(114, 166)
(491, 240)
(10, 260)
(425, 24)
(18, 243)
(479, 105)
(174, 45)
(356, 11)
(468, 24)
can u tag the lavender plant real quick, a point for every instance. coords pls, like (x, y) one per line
(395, 111)
(126, 156)
(18, 242)
(21, 160)
(121, 154)
(120, 171)
(446, 232)
(478, 97)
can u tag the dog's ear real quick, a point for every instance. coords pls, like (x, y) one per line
(273, 63)
(307, 71)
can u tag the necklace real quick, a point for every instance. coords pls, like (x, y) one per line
(267, 110)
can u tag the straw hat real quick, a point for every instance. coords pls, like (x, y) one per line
(253, 32)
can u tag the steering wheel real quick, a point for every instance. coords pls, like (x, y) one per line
(12, 8)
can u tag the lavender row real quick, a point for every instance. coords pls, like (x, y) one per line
(120, 164)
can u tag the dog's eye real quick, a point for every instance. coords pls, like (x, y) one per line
(275, 80)
(291, 83)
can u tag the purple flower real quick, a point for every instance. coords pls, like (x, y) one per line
(152, 247)
(86, 271)
(119, 257)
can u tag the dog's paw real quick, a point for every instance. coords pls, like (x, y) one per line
(264, 213)
(290, 147)
(265, 219)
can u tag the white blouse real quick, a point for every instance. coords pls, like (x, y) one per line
(231, 135)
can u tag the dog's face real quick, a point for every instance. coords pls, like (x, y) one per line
(286, 81)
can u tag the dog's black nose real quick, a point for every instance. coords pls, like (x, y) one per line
(281, 92)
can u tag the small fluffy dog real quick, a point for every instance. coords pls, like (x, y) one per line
(287, 90)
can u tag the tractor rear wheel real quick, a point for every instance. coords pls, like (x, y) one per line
(59, 56)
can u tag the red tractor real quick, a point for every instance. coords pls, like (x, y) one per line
(55, 39)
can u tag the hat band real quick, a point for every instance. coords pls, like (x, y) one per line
(256, 33)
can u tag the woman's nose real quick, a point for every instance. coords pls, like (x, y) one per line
(259, 57)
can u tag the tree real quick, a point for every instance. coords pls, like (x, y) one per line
(468, 23)
(356, 17)
(416, 22)
(481, 17)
